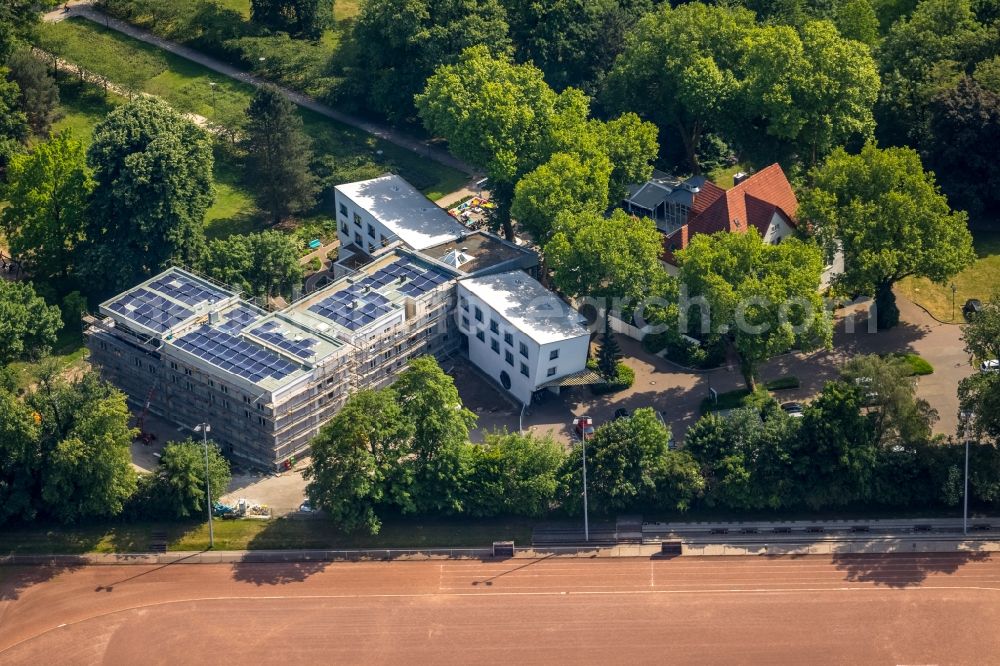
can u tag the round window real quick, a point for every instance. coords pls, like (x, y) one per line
(505, 380)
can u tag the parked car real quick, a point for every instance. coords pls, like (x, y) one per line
(620, 413)
(793, 409)
(972, 307)
(305, 507)
(582, 430)
(990, 366)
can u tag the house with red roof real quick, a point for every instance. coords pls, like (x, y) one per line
(764, 201)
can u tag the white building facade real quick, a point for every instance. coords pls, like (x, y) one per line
(520, 334)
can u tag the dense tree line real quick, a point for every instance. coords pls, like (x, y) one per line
(865, 440)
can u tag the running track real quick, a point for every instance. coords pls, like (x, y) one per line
(915, 609)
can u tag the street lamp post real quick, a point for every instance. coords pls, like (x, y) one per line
(214, 112)
(953, 290)
(965, 493)
(583, 423)
(204, 429)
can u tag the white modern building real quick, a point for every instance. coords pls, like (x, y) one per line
(371, 214)
(521, 334)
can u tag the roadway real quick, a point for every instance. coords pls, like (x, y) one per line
(935, 608)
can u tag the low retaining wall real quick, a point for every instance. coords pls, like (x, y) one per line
(830, 547)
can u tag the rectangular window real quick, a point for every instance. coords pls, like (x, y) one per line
(104, 345)
(187, 371)
(247, 412)
(464, 302)
(494, 327)
(138, 362)
(152, 368)
(371, 231)
(357, 219)
(495, 345)
(211, 383)
(524, 350)
(344, 229)
(465, 322)
(524, 369)
(507, 356)
(479, 314)
(224, 388)
(189, 386)
(358, 241)
(551, 372)
(343, 210)
(481, 336)
(173, 366)
(508, 338)
(554, 354)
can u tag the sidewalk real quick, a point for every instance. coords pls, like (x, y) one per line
(84, 9)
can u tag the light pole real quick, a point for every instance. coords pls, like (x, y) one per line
(583, 423)
(953, 290)
(214, 112)
(204, 429)
(965, 493)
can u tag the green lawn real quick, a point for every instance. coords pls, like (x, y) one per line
(185, 86)
(723, 176)
(981, 280)
(281, 533)
(68, 352)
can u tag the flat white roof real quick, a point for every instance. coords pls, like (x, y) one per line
(418, 221)
(528, 306)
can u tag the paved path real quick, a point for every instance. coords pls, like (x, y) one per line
(846, 609)
(84, 9)
(678, 392)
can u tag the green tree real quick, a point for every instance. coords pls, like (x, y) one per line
(679, 69)
(46, 216)
(812, 89)
(598, 257)
(430, 402)
(19, 459)
(85, 442)
(564, 184)
(17, 20)
(262, 264)
(898, 417)
(153, 184)
(180, 487)
(513, 474)
(834, 455)
(400, 44)
(629, 467)
(979, 395)
(891, 220)
(857, 20)
(278, 156)
(572, 41)
(39, 93)
(922, 55)
(28, 326)
(302, 18)
(357, 459)
(14, 128)
(494, 114)
(763, 298)
(609, 351)
(964, 128)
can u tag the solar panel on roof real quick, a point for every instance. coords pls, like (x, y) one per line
(271, 332)
(150, 310)
(234, 354)
(186, 290)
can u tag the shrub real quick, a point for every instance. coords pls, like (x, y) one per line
(782, 383)
(314, 265)
(624, 378)
(916, 364)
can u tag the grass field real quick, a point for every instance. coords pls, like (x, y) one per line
(185, 86)
(234, 212)
(68, 353)
(981, 281)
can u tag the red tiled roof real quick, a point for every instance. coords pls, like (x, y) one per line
(753, 202)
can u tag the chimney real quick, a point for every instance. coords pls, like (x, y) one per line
(739, 177)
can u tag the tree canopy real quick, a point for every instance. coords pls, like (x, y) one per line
(39, 94)
(153, 184)
(302, 18)
(262, 264)
(898, 417)
(179, 487)
(48, 195)
(891, 220)
(278, 156)
(28, 326)
(763, 298)
(979, 395)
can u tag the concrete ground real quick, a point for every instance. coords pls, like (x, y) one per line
(283, 493)
(678, 392)
(844, 609)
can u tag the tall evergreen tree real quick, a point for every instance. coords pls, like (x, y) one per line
(607, 355)
(278, 155)
(39, 94)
